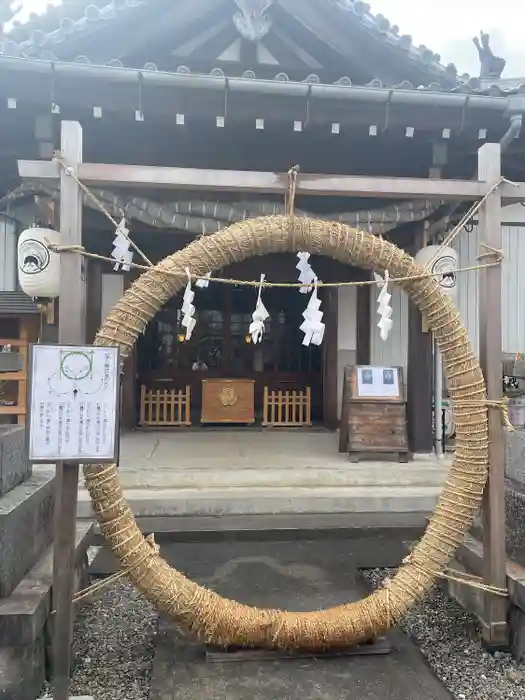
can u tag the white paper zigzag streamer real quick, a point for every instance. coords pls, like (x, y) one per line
(203, 282)
(313, 326)
(384, 309)
(188, 320)
(306, 273)
(259, 316)
(121, 252)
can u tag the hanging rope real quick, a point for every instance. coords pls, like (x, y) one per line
(471, 213)
(58, 158)
(80, 250)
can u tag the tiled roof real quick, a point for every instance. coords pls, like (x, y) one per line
(379, 26)
(41, 36)
(17, 304)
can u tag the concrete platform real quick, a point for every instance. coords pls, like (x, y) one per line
(226, 472)
(297, 575)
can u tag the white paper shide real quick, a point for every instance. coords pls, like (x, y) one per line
(73, 403)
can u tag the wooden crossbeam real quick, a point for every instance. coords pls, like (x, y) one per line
(151, 176)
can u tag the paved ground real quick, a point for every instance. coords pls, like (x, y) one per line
(298, 575)
(237, 472)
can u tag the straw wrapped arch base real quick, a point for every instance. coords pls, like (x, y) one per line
(224, 622)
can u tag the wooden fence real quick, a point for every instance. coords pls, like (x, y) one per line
(287, 408)
(165, 407)
(13, 403)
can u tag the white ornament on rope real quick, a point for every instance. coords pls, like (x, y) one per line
(121, 252)
(313, 326)
(203, 282)
(259, 316)
(384, 309)
(188, 320)
(306, 273)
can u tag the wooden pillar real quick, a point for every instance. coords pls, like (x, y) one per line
(72, 331)
(495, 630)
(129, 381)
(330, 379)
(94, 294)
(363, 321)
(419, 376)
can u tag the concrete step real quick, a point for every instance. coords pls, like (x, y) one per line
(281, 500)
(284, 478)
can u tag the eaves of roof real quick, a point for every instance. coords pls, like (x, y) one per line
(17, 304)
(36, 39)
(494, 97)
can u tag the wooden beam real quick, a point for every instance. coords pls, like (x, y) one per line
(419, 373)
(72, 330)
(150, 176)
(363, 325)
(495, 628)
(330, 375)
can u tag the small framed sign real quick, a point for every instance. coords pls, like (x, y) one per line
(73, 404)
(378, 383)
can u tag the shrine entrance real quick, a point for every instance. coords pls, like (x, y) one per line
(219, 376)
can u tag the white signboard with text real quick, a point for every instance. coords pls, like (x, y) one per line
(378, 382)
(73, 404)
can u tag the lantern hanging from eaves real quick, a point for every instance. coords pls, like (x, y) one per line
(39, 267)
(443, 263)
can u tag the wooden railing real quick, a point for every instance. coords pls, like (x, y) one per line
(287, 408)
(165, 407)
(15, 406)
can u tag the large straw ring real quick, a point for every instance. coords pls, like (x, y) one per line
(225, 622)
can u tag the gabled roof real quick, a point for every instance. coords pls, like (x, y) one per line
(76, 31)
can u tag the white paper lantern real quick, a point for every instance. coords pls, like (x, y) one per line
(38, 267)
(445, 265)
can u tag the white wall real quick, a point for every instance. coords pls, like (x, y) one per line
(346, 336)
(112, 291)
(8, 239)
(392, 352)
(467, 245)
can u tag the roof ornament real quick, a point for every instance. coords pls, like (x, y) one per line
(253, 22)
(490, 66)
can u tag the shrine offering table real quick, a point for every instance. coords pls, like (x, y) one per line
(228, 401)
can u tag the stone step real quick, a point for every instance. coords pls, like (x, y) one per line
(258, 501)
(26, 625)
(26, 527)
(385, 476)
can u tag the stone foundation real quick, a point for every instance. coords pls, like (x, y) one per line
(26, 569)
(26, 626)
(13, 468)
(26, 528)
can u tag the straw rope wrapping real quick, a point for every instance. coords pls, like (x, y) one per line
(225, 622)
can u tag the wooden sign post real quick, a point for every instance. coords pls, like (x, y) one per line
(73, 393)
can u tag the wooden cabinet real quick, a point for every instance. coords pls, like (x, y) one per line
(228, 401)
(377, 426)
(372, 425)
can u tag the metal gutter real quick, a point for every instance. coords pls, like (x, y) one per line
(219, 83)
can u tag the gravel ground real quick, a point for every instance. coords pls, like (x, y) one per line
(114, 643)
(449, 639)
(115, 640)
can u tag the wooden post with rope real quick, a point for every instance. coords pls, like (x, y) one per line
(71, 331)
(495, 628)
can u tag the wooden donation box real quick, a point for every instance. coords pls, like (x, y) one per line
(373, 416)
(228, 401)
